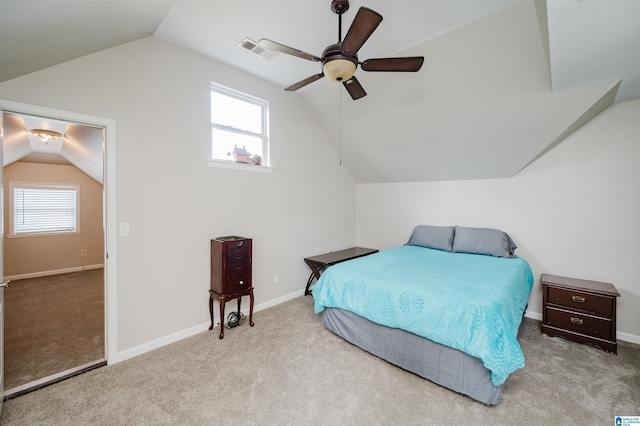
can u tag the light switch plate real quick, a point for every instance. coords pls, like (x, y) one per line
(124, 229)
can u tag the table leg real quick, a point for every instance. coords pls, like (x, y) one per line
(221, 318)
(309, 281)
(315, 273)
(211, 309)
(251, 307)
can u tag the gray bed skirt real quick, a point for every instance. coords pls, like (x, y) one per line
(442, 365)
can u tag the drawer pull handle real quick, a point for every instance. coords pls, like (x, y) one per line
(578, 299)
(578, 321)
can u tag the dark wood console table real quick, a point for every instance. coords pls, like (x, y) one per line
(321, 262)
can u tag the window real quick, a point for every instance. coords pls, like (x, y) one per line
(238, 122)
(43, 209)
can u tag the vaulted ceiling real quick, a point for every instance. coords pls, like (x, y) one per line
(79, 145)
(503, 80)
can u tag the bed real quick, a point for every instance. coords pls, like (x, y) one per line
(446, 306)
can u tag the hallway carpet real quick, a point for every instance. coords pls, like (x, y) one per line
(52, 324)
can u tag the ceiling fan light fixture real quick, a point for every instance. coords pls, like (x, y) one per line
(46, 135)
(339, 69)
(340, 60)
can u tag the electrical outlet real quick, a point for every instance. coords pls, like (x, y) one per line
(276, 278)
(83, 252)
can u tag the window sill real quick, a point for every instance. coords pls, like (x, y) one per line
(42, 234)
(222, 164)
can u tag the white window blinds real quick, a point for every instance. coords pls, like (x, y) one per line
(44, 208)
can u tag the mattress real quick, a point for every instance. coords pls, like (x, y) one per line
(441, 364)
(468, 302)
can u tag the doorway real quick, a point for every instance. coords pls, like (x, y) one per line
(102, 271)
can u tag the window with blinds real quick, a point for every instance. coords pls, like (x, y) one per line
(43, 209)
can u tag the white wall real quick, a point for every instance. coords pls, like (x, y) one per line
(158, 94)
(574, 212)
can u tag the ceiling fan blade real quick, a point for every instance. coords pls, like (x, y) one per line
(363, 25)
(410, 64)
(304, 82)
(272, 45)
(354, 88)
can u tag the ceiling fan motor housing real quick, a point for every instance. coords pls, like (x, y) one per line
(336, 65)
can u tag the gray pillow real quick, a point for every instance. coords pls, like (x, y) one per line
(436, 237)
(487, 241)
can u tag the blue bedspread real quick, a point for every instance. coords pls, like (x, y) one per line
(472, 303)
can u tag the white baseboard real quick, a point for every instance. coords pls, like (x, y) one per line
(158, 343)
(533, 315)
(627, 337)
(172, 338)
(53, 272)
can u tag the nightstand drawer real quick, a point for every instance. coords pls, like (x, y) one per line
(578, 322)
(601, 305)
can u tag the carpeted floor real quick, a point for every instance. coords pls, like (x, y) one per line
(290, 370)
(52, 324)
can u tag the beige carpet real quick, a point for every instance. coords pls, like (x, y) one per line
(290, 370)
(52, 324)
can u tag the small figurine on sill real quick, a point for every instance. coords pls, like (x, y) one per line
(240, 155)
(256, 160)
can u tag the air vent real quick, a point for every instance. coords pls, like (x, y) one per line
(252, 46)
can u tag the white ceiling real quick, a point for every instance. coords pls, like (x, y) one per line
(214, 29)
(37, 34)
(79, 145)
(503, 80)
(595, 41)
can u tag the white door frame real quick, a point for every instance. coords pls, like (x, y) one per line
(109, 199)
(1, 266)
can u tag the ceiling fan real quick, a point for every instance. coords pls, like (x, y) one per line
(340, 60)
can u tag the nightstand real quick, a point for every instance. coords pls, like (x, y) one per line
(580, 310)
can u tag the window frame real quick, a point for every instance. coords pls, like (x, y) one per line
(264, 136)
(13, 185)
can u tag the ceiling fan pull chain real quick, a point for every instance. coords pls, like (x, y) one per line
(340, 121)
